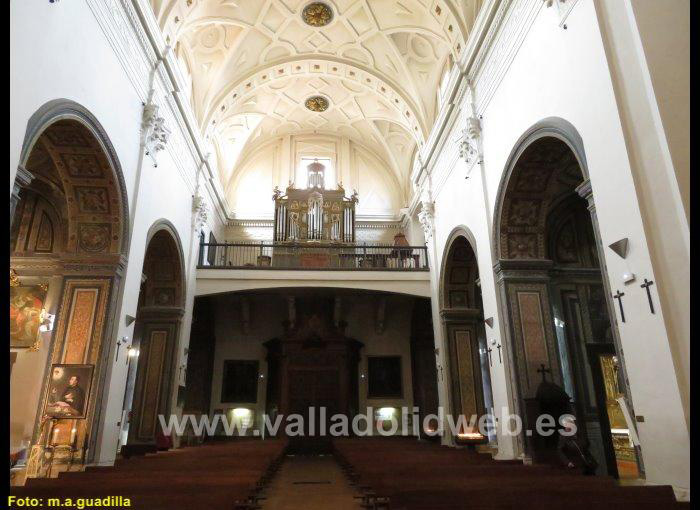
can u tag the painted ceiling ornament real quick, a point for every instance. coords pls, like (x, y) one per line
(155, 132)
(316, 104)
(317, 14)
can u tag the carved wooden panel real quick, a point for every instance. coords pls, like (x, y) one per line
(79, 340)
(465, 369)
(534, 339)
(155, 352)
(532, 335)
(37, 226)
(467, 376)
(83, 306)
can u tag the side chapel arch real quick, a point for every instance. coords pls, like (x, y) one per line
(462, 317)
(160, 310)
(552, 280)
(69, 234)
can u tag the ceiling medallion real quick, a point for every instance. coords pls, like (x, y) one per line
(317, 103)
(317, 14)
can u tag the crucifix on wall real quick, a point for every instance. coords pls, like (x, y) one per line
(543, 370)
(121, 341)
(645, 286)
(618, 296)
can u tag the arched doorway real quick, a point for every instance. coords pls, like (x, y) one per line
(69, 240)
(469, 357)
(557, 304)
(152, 379)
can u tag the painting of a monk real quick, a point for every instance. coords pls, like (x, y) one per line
(26, 304)
(68, 391)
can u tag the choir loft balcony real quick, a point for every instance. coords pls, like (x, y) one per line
(239, 266)
(314, 256)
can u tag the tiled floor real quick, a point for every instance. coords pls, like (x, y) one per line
(310, 483)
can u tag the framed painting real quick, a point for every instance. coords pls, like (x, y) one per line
(69, 391)
(26, 306)
(384, 377)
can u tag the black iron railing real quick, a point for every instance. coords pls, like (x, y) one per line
(351, 257)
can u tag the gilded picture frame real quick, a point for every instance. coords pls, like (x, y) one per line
(26, 314)
(68, 394)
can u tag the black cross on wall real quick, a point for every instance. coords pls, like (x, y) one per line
(646, 285)
(618, 296)
(542, 370)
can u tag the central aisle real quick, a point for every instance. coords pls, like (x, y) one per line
(310, 482)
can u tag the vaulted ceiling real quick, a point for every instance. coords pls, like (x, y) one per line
(252, 64)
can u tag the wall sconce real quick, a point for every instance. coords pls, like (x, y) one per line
(131, 352)
(386, 413)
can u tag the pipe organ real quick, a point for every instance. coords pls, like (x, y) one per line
(314, 214)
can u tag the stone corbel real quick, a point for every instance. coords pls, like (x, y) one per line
(426, 216)
(200, 211)
(564, 7)
(155, 133)
(469, 149)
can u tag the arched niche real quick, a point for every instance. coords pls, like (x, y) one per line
(69, 235)
(462, 316)
(154, 377)
(557, 308)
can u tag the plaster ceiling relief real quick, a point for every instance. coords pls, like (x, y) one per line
(254, 63)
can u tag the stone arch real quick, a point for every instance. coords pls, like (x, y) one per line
(160, 228)
(457, 233)
(69, 176)
(544, 165)
(87, 163)
(161, 306)
(545, 185)
(462, 317)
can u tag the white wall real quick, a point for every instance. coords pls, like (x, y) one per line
(558, 72)
(60, 51)
(266, 316)
(278, 162)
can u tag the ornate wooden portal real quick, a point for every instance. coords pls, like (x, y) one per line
(313, 365)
